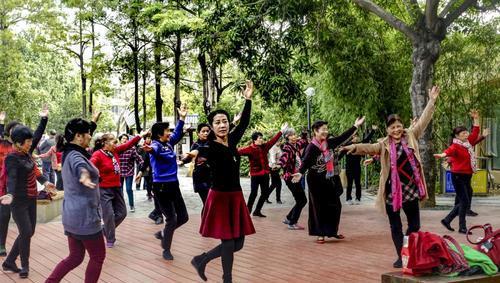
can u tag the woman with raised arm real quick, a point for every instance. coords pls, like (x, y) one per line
(402, 182)
(106, 159)
(462, 159)
(225, 215)
(81, 216)
(324, 193)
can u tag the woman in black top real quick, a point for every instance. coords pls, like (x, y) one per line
(324, 202)
(226, 215)
(22, 174)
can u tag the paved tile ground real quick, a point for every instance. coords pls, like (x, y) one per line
(273, 254)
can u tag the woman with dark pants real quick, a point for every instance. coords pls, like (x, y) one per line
(81, 217)
(22, 175)
(290, 161)
(274, 157)
(128, 159)
(325, 189)
(462, 158)
(55, 155)
(201, 172)
(402, 180)
(165, 182)
(105, 158)
(225, 216)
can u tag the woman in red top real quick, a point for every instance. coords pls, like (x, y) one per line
(463, 164)
(105, 158)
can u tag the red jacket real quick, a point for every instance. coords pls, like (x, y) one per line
(5, 148)
(459, 157)
(108, 177)
(257, 155)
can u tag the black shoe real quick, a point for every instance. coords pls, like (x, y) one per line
(198, 262)
(24, 272)
(267, 201)
(159, 220)
(279, 202)
(464, 231)
(6, 266)
(158, 235)
(447, 225)
(167, 255)
(471, 213)
(259, 214)
(398, 263)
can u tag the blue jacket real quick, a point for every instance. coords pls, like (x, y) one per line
(163, 157)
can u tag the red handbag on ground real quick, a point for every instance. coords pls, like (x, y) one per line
(489, 244)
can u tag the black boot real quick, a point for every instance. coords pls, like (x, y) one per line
(398, 263)
(7, 266)
(199, 263)
(24, 272)
(447, 225)
(167, 255)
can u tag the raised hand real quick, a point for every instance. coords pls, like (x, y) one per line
(413, 122)
(6, 199)
(237, 118)
(182, 111)
(359, 121)
(247, 93)
(45, 111)
(2, 116)
(434, 92)
(374, 127)
(95, 116)
(474, 114)
(144, 133)
(284, 127)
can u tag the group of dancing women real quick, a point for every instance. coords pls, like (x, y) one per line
(94, 205)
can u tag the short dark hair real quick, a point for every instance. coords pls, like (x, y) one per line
(201, 126)
(158, 129)
(10, 126)
(76, 126)
(215, 112)
(256, 135)
(318, 124)
(391, 119)
(20, 134)
(123, 135)
(99, 143)
(458, 130)
(52, 132)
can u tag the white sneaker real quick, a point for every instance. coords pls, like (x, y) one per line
(349, 202)
(357, 202)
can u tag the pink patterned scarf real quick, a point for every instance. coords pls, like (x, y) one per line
(470, 149)
(327, 155)
(397, 192)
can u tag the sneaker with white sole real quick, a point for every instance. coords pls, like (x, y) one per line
(286, 221)
(295, 227)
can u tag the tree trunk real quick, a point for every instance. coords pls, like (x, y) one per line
(83, 76)
(136, 88)
(157, 70)
(144, 78)
(177, 75)
(425, 53)
(213, 83)
(92, 58)
(202, 60)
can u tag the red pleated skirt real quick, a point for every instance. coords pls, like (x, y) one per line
(226, 216)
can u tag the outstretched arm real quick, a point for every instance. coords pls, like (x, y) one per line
(237, 133)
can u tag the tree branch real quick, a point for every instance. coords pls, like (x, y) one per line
(413, 8)
(431, 7)
(185, 8)
(452, 16)
(447, 8)
(387, 17)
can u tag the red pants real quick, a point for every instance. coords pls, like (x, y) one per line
(97, 253)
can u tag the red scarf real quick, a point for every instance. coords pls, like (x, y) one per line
(327, 155)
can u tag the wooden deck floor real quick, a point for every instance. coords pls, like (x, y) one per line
(274, 254)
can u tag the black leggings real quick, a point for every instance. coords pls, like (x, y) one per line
(412, 212)
(275, 184)
(463, 189)
(356, 178)
(255, 182)
(4, 223)
(24, 214)
(226, 251)
(300, 201)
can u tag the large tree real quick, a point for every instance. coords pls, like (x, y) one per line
(426, 29)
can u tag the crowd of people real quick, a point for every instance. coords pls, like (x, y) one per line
(94, 204)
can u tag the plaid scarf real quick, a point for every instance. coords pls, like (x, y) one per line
(397, 194)
(470, 149)
(116, 165)
(327, 155)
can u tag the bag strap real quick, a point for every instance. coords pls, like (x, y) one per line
(455, 243)
(483, 227)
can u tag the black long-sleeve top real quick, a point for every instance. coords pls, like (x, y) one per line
(353, 161)
(21, 168)
(224, 161)
(313, 159)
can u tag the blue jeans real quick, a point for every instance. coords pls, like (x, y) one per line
(128, 185)
(48, 172)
